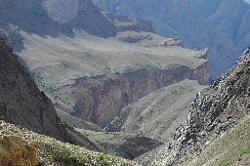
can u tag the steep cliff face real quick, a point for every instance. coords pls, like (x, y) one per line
(99, 99)
(213, 112)
(22, 103)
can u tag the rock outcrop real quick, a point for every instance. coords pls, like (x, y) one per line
(22, 103)
(213, 112)
(231, 148)
(148, 39)
(16, 152)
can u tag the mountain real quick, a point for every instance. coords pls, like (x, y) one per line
(60, 17)
(219, 114)
(44, 18)
(220, 25)
(228, 16)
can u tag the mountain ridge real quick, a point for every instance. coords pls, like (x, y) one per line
(214, 111)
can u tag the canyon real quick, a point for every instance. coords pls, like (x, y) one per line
(91, 70)
(159, 113)
(100, 98)
(112, 77)
(73, 73)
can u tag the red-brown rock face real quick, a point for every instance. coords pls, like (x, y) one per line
(99, 99)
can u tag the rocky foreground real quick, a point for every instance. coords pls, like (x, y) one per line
(21, 147)
(214, 112)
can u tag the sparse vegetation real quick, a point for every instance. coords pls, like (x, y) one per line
(53, 152)
(236, 157)
(233, 148)
(49, 89)
(39, 80)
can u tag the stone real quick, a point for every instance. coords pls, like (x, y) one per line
(15, 152)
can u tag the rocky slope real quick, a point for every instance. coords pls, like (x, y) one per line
(214, 111)
(220, 25)
(229, 17)
(32, 149)
(22, 103)
(122, 144)
(78, 123)
(144, 124)
(158, 114)
(232, 148)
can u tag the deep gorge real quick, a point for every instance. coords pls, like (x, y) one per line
(100, 98)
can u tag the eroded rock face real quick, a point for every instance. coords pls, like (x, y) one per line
(22, 103)
(15, 152)
(213, 112)
(101, 98)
